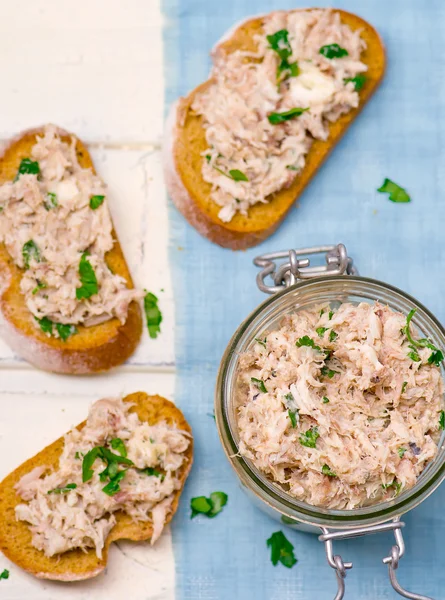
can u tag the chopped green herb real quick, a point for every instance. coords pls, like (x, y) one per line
(152, 314)
(309, 439)
(331, 314)
(87, 278)
(104, 454)
(46, 325)
(289, 397)
(113, 486)
(208, 506)
(333, 51)
(208, 157)
(65, 331)
(436, 358)
(358, 81)
(40, 286)
(286, 69)
(326, 470)
(321, 312)
(280, 43)
(321, 331)
(51, 201)
(325, 400)
(96, 201)
(30, 251)
(262, 342)
(404, 384)
(77, 455)
(237, 175)
(414, 356)
(292, 168)
(442, 419)
(293, 416)
(29, 167)
(281, 550)
(4, 574)
(307, 341)
(154, 472)
(401, 452)
(396, 193)
(276, 118)
(63, 490)
(328, 372)
(333, 336)
(260, 384)
(394, 484)
(118, 445)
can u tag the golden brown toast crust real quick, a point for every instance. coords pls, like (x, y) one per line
(185, 143)
(92, 349)
(75, 565)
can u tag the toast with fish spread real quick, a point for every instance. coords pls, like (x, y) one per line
(118, 475)
(67, 302)
(241, 147)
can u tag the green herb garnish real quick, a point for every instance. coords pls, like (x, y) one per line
(208, 506)
(46, 325)
(309, 439)
(289, 397)
(152, 314)
(29, 167)
(30, 251)
(358, 81)
(401, 452)
(280, 44)
(404, 384)
(442, 420)
(436, 356)
(96, 201)
(118, 445)
(396, 193)
(333, 51)
(331, 314)
(281, 550)
(151, 471)
(307, 341)
(114, 485)
(63, 490)
(293, 416)
(276, 118)
(237, 175)
(40, 286)
(104, 454)
(262, 342)
(394, 484)
(4, 574)
(65, 331)
(260, 384)
(51, 201)
(333, 336)
(414, 356)
(326, 470)
(325, 400)
(321, 331)
(87, 278)
(328, 372)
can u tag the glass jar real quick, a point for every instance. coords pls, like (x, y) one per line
(318, 287)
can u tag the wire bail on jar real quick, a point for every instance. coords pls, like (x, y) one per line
(288, 273)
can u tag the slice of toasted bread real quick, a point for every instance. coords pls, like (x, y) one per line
(92, 349)
(15, 536)
(185, 142)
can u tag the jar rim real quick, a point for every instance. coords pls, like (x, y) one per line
(270, 493)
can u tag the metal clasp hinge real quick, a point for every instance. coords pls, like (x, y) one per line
(397, 551)
(283, 275)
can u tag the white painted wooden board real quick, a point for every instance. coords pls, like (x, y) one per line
(94, 68)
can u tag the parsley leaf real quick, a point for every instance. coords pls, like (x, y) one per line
(333, 336)
(404, 384)
(40, 286)
(401, 452)
(29, 167)
(262, 342)
(46, 325)
(237, 175)
(293, 416)
(321, 331)
(325, 400)
(326, 470)
(329, 372)
(333, 51)
(118, 445)
(96, 201)
(88, 279)
(151, 471)
(309, 439)
(414, 356)
(442, 420)
(260, 384)
(358, 81)
(107, 456)
(152, 314)
(396, 193)
(65, 331)
(4, 574)
(51, 201)
(289, 397)
(307, 341)
(208, 506)
(63, 490)
(113, 486)
(281, 550)
(436, 357)
(331, 314)
(394, 484)
(280, 43)
(276, 118)
(30, 251)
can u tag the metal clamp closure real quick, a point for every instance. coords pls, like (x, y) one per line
(397, 551)
(283, 275)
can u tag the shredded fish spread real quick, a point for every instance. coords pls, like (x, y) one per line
(135, 471)
(55, 224)
(305, 60)
(343, 408)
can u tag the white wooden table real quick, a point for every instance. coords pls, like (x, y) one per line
(95, 68)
